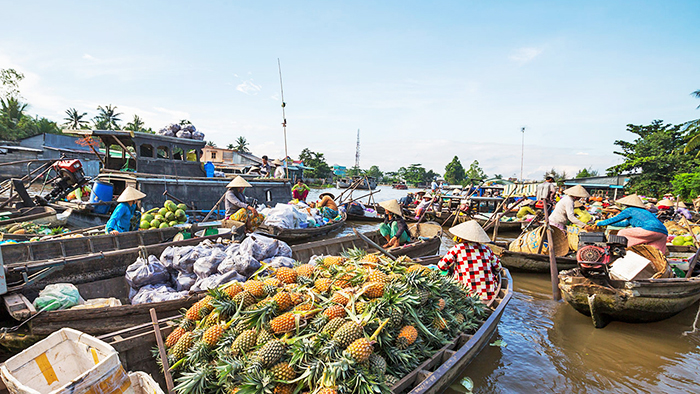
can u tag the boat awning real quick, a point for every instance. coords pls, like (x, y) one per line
(594, 185)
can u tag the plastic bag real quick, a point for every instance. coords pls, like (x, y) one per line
(186, 257)
(174, 127)
(226, 265)
(189, 127)
(258, 246)
(168, 256)
(58, 296)
(207, 265)
(184, 281)
(183, 134)
(246, 265)
(283, 249)
(280, 261)
(198, 135)
(216, 280)
(146, 272)
(231, 249)
(156, 293)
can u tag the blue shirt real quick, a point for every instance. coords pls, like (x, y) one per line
(121, 218)
(636, 217)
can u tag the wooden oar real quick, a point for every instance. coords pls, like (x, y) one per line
(369, 241)
(162, 351)
(215, 206)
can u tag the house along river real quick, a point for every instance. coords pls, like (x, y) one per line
(548, 347)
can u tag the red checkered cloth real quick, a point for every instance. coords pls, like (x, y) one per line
(476, 266)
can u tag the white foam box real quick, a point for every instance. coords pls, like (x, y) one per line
(632, 267)
(67, 361)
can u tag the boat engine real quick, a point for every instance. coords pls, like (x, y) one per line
(595, 254)
(69, 176)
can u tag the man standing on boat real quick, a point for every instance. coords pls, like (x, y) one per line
(265, 169)
(547, 190)
(120, 221)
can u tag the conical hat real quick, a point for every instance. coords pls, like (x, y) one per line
(130, 194)
(632, 200)
(578, 204)
(577, 191)
(391, 206)
(239, 182)
(470, 231)
(277, 162)
(329, 194)
(665, 202)
(682, 205)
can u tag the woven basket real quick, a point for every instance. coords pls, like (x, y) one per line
(572, 233)
(529, 242)
(663, 270)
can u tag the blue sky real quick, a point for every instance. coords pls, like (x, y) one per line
(423, 81)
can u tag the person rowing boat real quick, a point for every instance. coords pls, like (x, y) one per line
(120, 221)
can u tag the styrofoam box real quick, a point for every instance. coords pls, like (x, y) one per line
(631, 267)
(143, 383)
(67, 361)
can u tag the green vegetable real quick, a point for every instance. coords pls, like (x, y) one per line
(155, 223)
(145, 224)
(163, 225)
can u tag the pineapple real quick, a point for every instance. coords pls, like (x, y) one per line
(206, 306)
(423, 295)
(377, 364)
(439, 323)
(233, 288)
(340, 298)
(396, 317)
(286, 275)
(360, 350)
(374, 290)
(182, 346)
(270, 353)
(419, 268)
(333, 260)
(370, 258)
(283, 323)
(297, 298)
(407, 336)
(213, 334)
(256, 288)
(377, 276)
(284, 388)
(306, 270)
(174, 336)
(211, 319)
(391, 380)
(441, 304)
(334, 311)
(360, 307)
(244, 342)
(328, 390)
(332, 326)
(459, 318)
(263, 337)
(244, 298)
(403, 259)
(272, 282)
(322, 285)
(282, 371)
(347, 334)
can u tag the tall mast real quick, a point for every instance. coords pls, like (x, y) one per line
(522, 154)
(284, 121)
(357, 151)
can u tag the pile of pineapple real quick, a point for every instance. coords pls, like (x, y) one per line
(355, 323)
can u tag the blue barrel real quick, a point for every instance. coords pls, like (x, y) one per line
(101, 192)
(209, 169)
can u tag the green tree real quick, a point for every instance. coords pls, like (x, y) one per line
(136, 124)
(211, 143)
(375, 172)
(74, 120)
(454, 172)
(692, 129)
(558, 176)
(686, 185)
(414, 174)
(12, 112)
(10, 79)
(656, 155)
(107, 118)
(586, 172)
(475, 174)
(230, 146)
(317, 161)
(184, 122)
(241, 145)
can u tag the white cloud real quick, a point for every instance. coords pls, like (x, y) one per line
(87, 56)
(525, 55)
(248, 87)
(581, 154)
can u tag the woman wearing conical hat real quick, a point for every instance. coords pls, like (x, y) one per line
(236, 206)
(564, 210)
(120, 221)
(475, 265)
(644, 227)
(394, 228)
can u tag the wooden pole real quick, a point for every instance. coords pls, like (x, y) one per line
(161, 350)
(553, 272)
(215, 206)
(369, 241)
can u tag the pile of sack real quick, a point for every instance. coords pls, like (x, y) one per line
(181, 131)
(183, 269)
(292, 216)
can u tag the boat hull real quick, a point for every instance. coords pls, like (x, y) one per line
(530, 262)
(633, 302)
(298, 235)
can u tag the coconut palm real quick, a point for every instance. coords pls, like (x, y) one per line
(74, 120)
(12, 112)
(692, 128)
(241, 145)
(211, 143)
(135, 125)
(107, 118)
(229, 146)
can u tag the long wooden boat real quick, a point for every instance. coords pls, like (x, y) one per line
(25, 214)
(297, 235)
(638, 301)
(532, 262)
(431, 377)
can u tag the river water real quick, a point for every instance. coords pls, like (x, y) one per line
(551, 348)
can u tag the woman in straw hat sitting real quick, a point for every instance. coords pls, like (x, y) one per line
(475, 265)
(564, 210)
(645, 228)
(236, 206)
(326, 205)
(394, 228)
(120, 221)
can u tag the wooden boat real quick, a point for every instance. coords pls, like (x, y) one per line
(399, 186)
(681, 249)
(297, 235)
(20, 215)
(638, 301)
(343, 183)
(53, 219)
(531, 262)
(433, 376)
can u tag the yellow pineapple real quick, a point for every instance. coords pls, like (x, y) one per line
(374, 290)
(377, 276)
(286, 275)
(283, 323)
(407, 336)
(283, 371)
(283, 301)
(340, 298)
(174, 336)
(233, 288)
(305, 270)
(255, 287)
(360, 350)
(322, 285)
(272, 282)
(334, 311)
(333, 260)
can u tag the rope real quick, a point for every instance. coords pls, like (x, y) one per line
(695, 324)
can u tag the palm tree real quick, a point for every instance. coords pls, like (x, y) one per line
(692, 128)
(229, 146)
(241, 145)
(135, 125)
(184, 122)
(74, 120)
(211, 143)
(107, 118)
(12, 112)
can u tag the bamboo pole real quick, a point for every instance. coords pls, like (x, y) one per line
(163, 354)
(553, 272)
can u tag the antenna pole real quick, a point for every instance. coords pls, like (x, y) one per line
(284, 121)
(357, 151)
(522, 154)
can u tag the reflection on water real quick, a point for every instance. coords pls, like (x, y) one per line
(553, 348)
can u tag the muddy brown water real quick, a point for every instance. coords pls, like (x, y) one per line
(551, 348)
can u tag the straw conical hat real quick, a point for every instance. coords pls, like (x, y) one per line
(277, 162)
(130, 194)
(665, 202)
(632, 200)
(239, 182)
(470, 231)
(682, 205)
(577, 191)
(578, 204)
(391, 206)
(329, 194)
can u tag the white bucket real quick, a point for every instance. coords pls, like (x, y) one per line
(67, 361)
